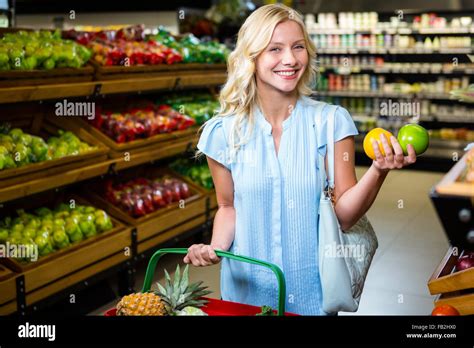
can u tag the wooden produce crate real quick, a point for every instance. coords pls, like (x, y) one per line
(462, 301)
(158, 221)
(15, 78)
(60, 266)
(166, 149)
(46, 127)
(7, 291)
(455, 288)
(36, 177)
(453, 183)
(146, 71)
(138, 145)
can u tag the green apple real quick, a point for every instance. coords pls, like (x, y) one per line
(415, 135)
(29, 232)
(3, 235)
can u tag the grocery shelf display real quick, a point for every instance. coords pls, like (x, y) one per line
(366, 63)
(59, 153)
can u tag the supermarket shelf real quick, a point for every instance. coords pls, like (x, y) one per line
(23, 188)
(387, 70)
(177, 80)
(376, 94)
(70, 174)
(448, 118)
(155, 153)
(402, 31)
(393, 51)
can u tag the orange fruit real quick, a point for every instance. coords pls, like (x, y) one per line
(443, 310)
(374, 134)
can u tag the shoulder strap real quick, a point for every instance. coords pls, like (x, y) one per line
(323, 177)
(330, 144)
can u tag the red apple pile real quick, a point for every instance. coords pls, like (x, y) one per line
(141, 123)
(141, 196)
(128, 53)
(125, 47)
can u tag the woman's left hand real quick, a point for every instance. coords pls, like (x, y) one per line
(394, 158)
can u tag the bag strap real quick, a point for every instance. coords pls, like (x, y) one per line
(330, 144)
(326, 179)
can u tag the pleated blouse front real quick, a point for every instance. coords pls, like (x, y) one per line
(276, 199)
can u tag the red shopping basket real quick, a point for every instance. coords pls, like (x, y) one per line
(220, 307)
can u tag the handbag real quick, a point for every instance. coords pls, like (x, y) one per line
(344, 256)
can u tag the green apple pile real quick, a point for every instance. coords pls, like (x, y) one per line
(197, 171)
(28, 50)
(200, 106)
(18, 148)
(52, 230)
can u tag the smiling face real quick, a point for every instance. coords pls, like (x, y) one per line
(282, 63)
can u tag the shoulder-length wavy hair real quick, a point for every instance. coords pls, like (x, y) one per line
(238, 97)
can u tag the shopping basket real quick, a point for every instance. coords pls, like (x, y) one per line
(217, 307)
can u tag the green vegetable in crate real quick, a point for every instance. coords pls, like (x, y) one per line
(43, 212)
(3, 156)
(44, 241)
(73, 230)
(40, 50)
(3, 235)
(18, 227)
(15, 134)
(87, 226)
(54, 229)
(60, 237)
(15, 238)
(40, 148)
(18, 148)
(63, 207)
(29, 232)
(102, 221)
(89, 210)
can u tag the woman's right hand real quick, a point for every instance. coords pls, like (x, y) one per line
(201, 255)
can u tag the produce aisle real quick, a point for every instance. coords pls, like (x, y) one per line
(99, 125)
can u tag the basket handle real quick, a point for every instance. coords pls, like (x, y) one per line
(278, 272)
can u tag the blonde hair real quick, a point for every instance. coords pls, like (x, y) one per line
(238, 96)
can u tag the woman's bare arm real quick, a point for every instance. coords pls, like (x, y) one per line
(353, 199)
(224, 221)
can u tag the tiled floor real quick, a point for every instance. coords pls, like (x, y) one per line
(411, 245)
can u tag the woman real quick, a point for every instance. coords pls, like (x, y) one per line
(262, 153)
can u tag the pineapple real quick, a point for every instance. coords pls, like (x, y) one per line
(148, 304)
(179, 294)
(177, 297)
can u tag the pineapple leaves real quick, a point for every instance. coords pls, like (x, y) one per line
(185, 280)
(178, 294)
(177, 277)
(162, 290)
